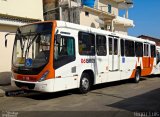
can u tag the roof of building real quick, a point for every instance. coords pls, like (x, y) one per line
(149, 37)
(157, 40)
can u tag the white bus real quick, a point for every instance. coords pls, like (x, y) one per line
(56, 55)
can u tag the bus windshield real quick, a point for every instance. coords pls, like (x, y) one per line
(32, 45)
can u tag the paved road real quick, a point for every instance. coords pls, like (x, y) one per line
(119, 97)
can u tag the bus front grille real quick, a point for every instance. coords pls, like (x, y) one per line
(25, 85)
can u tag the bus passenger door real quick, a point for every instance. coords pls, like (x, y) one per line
(101, 59)
(113, 54)
(146, 58)
(113, 65)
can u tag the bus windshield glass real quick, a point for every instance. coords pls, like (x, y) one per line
(32, 45)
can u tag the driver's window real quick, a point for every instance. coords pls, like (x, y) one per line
(65, 47)
(64, 51)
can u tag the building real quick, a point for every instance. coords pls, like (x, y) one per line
(14, 13)
(104, 14)
(157, 40)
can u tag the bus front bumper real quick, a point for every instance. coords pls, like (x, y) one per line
(43, 86)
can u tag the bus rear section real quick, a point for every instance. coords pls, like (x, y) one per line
(56, 56)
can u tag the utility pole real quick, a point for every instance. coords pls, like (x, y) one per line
(69, 8)
(126, 16)
(60, 13)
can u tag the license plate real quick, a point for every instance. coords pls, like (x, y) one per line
(24, 87)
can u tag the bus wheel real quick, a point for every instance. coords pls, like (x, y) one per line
(85, 83)
(137, 76)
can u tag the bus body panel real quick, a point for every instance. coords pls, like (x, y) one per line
(101, 69)
(127, 67)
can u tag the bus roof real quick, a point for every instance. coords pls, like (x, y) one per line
(99, 31)
(64, 24)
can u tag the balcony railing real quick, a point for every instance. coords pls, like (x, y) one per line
(100, 13)
(123, 21)
(119, 1)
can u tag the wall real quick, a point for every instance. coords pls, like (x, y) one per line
(6, 54)
(88, 20)
(157, 40)
(121, 29)
(49, 5)
(105, 3)
(32, 9)
(22, 8)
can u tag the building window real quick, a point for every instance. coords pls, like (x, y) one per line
(109, 8)
(102, 28)
(86, 43)
(101, 45)
(86, 13)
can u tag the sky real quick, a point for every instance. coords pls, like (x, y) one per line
(146, 17)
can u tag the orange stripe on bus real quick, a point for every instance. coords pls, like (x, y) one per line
(147, 66)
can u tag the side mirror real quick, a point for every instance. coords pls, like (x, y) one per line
(10, 33)
(6, 39)
(6, 43)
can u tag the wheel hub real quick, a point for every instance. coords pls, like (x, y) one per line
(85, 83)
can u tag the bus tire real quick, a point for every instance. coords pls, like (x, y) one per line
(137, 76)
(85, 83)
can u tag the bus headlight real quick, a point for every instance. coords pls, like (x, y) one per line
(44, 76)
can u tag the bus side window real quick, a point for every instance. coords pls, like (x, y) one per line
(115, 46)
(146, 53)
(153, 51)
(101, 45)
(122, 47)
(110, 46)
(86, 43)
(129, 48)
(64, 51)
(139, 49)
(158, 56)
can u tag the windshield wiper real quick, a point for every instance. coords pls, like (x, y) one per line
(20, 37)
(30, 41)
